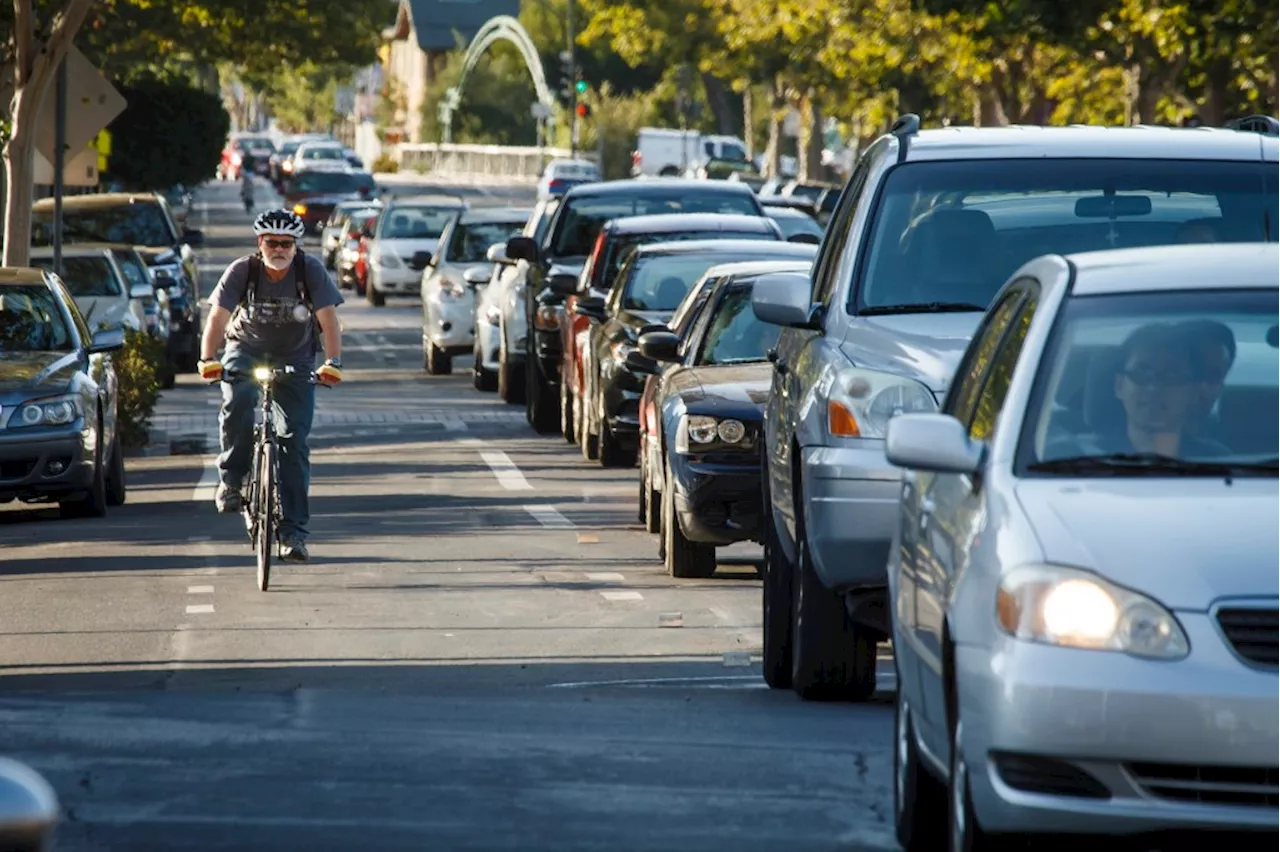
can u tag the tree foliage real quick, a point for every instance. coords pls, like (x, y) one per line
(496, 99)
(170, 133)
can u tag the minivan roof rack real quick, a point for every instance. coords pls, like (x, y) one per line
(904, 128)
(1264, 124)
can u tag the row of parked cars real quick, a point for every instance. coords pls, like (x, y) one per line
(1014, 414)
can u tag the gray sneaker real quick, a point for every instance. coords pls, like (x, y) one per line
(294, 550)
(228, 499)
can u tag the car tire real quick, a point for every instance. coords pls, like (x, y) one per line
(588, 443)
(613, 452)
(375, 296)
(651, 499)
(116, 487)
(567, 426)
(511, 380)
(684, 559)
(94, 504)
(436, 360)
(964, 832)
(541, 402)
(918, 797)
(484, 380)
(775, 599)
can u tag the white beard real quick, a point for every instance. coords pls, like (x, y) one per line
(276, 265)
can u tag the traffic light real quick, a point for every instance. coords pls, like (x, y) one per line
(583, 110)
(581, 87)
(567, 75)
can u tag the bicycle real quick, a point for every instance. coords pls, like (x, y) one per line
(262, 511)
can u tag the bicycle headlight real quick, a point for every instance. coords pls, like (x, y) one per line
(1072, 608)
(861, 402)
(54, 411)
(262, 374)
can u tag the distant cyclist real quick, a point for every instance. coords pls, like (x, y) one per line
(267, 307)
(246, 190)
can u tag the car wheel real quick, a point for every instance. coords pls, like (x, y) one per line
(511, 381)
(484, 380)
(684, 559)
(567, 426)
(776, 601)
(613, 452)
(918, 797)
(116, 489)
(964, 832)
(375, 296)
(94, 504)
(437, 362)
(588, 442)
(541, 402)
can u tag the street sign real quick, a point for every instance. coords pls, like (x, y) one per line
(80, 170)
(92, 102)
(540, 110)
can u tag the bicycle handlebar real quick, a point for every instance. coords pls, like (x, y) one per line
(233, 376)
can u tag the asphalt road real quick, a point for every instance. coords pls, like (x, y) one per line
(484, 652)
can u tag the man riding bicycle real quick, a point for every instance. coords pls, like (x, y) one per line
(267, 307)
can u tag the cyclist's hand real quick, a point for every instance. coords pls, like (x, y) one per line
(329, 374)
(210, 371)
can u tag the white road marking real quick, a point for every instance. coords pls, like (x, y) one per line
(550, 518)
(651, 681)
(509, 476)
(200, 538)
(622, 596)
(207, 487)
(471, 442)
(455, 424)
(199, 609)
(605, 576)
(199, 590)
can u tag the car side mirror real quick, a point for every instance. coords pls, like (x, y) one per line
(28, 808)
(107, 340)
(522, 248)
(420, 261)
(497, 253)
(165, 281)
(141, 291)
(590, 308)
(932, 442)
(638, 363)
(660, 346)
(477, 276)
(563, 284)
(783, 298)
(193, 237)
(808, 239)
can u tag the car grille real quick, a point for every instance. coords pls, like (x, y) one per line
(1210, 785)
(1252, 632)
(17, 468)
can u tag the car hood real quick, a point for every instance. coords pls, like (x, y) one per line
(408, 248)
(633, 321)
(1186, 545)
(158, 256)
(924, 347)
(24, 375)
(731, 390)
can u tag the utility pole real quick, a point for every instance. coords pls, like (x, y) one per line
(573, 91)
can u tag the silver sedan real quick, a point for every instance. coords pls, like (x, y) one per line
(1083, 579)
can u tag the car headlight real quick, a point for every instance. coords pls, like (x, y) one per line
(55, 411)
(700, 432)
(1073, 608)
(547, 318)
(388, 260)
(861, 402)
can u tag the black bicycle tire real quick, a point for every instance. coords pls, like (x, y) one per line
(266, 515)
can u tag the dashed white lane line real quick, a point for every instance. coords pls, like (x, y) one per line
(199, 590)
(550, 517)
(622, 596)
(509, 476)
(199, 609)
(604, 577)
(471, 442)
(455, 424)
(208, 484)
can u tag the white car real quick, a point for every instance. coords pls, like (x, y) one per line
(563, 173)
(100, 288)
(450, 282)
(320, 156)
(507, 291)
(407, 234)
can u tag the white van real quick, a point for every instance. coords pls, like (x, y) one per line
(665, 152)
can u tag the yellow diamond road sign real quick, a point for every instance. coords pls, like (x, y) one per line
(92, 103)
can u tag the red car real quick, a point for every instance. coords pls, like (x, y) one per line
(257, 148)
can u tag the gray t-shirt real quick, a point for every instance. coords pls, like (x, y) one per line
(278, 326)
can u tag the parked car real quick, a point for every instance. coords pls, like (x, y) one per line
(613, 245)
(257, 148)
(647, 290)
(353, 265)
(449, 317)
(929, 227)
(59, 441)
(143, 221)
(335, 226)
(1088, 525)
(563, 251)
(407, 226)
(320, 155)
(313, 194)
(796, 225)
(700, 450)
(98, 285)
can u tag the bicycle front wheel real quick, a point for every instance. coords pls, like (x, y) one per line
(266, 513)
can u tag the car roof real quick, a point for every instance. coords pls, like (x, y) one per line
(1223, 266)
(21, 275)
(786, 211)
(800, 250)
(75, 250)
(440, 200)
(98, 200)
(497, 214)
(1143, 142)
(656, 186)
(744, 269)
(661, 223)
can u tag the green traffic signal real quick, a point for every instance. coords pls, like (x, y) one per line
(581, 86)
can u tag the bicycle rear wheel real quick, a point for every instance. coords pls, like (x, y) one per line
(266, 513)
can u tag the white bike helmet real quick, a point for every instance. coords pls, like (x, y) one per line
(279, 223)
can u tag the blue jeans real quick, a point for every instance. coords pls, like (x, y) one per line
(295, 398)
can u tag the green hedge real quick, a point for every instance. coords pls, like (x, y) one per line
(139, 369)
(170, 133)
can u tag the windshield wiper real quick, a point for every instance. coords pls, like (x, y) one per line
(926, 308)
(1141, 464)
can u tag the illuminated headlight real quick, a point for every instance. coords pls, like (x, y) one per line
(547, 318)
(350, 255)
(699, 431)
(58, 411)
(300, 209)
(262, 374)
(388, 260)
(1072, 608)
(860, 402)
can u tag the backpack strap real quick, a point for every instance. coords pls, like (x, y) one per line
(300, 279)
(252, 279)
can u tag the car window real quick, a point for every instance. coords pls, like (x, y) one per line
(999, 374)
(734, 335)
(415, 223)
(142, 223)
(954, 231)
(86, 276)
(471, 240)
(659, 282)
(30, 320)
(135, 272)
(617, 249)
(837, 234)
(1190, 375)
(579, 223)
(793, 222)
(962, 399)
(320, 182)
(691, 306)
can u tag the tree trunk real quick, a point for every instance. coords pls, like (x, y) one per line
(748, 122)
(19, 166)
(721, 103)
(1217, 81)
(777, 109)
(811, 141)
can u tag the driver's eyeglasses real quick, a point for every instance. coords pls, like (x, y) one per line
(278, 244)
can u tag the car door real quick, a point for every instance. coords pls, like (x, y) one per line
(948, 511)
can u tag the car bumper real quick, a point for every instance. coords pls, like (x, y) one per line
(396, 282)
(1173, 745)
(450, 323)
(25, 461)
(851, 496)
(717, 503)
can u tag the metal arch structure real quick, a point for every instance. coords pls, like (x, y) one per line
(499, 28)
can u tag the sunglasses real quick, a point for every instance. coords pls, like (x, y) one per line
(278, 244)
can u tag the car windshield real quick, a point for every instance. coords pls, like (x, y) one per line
(733, 151)
(1137, 383)
(138, 224)
(87, 276)
(617, 249)
(327, 183)
(580, 222)
(793, 222)
(471, 240)
(322, 154)
(415, 223)
(135, 272)
(30, 320)
(250, 143)
(734, 335)
(953, 232)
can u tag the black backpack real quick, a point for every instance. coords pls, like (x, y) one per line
(299, 279)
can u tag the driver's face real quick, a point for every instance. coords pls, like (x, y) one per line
(1156, 388)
